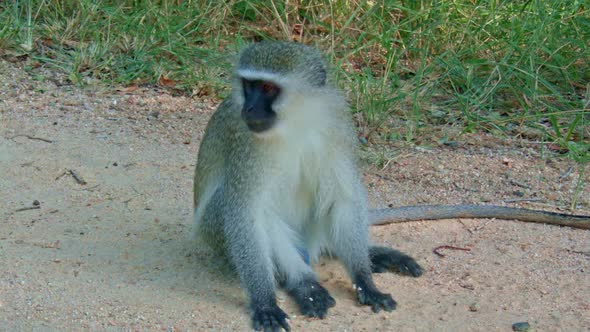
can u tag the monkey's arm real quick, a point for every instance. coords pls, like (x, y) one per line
(437, 212)
(250, 254)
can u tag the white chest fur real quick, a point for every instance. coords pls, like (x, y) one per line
(310, 160)
(305, 179)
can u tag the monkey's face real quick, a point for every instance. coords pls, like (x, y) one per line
(259, 96)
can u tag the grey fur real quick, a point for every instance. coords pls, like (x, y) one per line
(284, 58)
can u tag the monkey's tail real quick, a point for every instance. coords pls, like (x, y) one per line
(436, 212)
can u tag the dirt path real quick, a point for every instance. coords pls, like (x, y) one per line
(115, 252)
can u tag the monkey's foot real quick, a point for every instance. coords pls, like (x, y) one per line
(269, 318)
(374, 298)
(313, 299)
(386, 259)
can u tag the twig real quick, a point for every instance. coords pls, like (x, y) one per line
(384, 177)
(435, 250)
(387, 163)
(585, 253)
(74, 174)
(566, 173)
(517, 200)
(90, 188)
(33, 138)
(62, 174)
(77, 177)
(476, 228)
(28, 208)
(518, 184)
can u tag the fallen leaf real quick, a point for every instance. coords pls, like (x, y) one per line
(167, 82)
(128, 89)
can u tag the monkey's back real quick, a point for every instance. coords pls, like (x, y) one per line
(210, 169)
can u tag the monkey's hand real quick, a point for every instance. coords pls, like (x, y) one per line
(313, 299)
(369, 295)
(269, 318)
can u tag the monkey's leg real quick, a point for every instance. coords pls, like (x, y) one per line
(250, 250)
(386, 259)
(298, 279)
(350, 243)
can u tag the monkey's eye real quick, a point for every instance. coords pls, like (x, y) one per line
(269, 88)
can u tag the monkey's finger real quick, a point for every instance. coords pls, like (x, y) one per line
(257, 325)
(331, 302)
(376, 307)
(270, 324)
(274, 324)
(411, 267)
(283, 323)
(270, 321)
(388, 304)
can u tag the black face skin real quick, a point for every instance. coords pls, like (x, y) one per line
(258, 98)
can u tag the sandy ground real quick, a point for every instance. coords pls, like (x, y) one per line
(113, 251)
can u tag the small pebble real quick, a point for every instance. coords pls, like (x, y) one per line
(522, 327)
(518, 193)
(474, 307)
(36, 203)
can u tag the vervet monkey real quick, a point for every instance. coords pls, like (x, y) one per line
(277, 185)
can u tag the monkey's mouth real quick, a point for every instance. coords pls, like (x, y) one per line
(259, 126)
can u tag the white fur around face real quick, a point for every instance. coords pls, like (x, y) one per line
(250, 74)
(310, 167)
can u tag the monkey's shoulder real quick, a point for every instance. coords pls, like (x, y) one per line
(226, 121)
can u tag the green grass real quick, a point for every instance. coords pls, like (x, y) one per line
(518, 68)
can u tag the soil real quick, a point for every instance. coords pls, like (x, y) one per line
(105, 246)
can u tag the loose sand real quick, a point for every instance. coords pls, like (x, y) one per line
(115, 252)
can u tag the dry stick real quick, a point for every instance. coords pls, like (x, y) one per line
(28, 208)
(585, 253)
(62, 174)
(518, 200)
(77, 177)
(90, 188)
(566, 173)
(518, 184)
(384, 177)
(33, 138)
(435, 250)
(478, 227)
